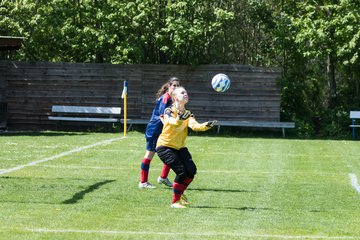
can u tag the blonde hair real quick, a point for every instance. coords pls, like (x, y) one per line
(175, 92)
(165, 87)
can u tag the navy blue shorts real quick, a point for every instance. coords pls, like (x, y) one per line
(151, 144)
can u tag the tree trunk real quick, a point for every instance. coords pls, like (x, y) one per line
(331, 80)
(162, 19)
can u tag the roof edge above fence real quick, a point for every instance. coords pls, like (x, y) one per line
(10, 43)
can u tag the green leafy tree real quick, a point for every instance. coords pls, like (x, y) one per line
(137, 31)
(331, 30)
(315, 43)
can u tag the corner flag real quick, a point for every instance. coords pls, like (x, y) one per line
(124, 96)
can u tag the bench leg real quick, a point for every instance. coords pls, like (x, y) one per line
(353, 129)
(353, 133)
(129, 127)
(283, 132)
(218, 129)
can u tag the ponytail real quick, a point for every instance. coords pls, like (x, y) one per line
(165, 87)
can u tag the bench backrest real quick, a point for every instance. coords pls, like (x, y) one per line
(85, 109)
(354, 114)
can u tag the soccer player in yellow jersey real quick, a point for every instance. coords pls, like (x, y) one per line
(171, 148)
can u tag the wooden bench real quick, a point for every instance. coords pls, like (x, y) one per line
(255, 124)
(282, 125)
(86, 114)
(353, 116)
(130, 122)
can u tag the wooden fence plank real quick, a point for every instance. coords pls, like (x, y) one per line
(30, 89)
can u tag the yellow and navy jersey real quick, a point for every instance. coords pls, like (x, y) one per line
(175, 131)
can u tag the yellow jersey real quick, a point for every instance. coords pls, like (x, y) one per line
(175, 131)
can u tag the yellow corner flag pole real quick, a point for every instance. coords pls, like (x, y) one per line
(124, 96)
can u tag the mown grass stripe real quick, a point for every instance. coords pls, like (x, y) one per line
(205, 234)
(59, 155)
(199, 171)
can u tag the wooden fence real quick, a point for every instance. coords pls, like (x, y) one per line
(2, 94)
(30, 89)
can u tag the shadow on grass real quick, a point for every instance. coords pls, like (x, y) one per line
(220, 190)
(233, 208)
(80, 195)
(252, 209)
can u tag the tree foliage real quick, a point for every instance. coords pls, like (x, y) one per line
(326, 37)
(315, 43)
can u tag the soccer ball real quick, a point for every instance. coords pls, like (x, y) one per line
(220, 82)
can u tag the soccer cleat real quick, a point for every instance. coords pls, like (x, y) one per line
(146, 185)
(184, 200)
(177, 205)
(164, 181)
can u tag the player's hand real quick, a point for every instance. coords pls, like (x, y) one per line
(211, 123)
(184, 115)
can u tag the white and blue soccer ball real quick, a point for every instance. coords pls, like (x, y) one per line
(220, 82)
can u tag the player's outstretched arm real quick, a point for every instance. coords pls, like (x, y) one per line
(195, 126)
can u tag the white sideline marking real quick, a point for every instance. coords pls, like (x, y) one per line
(354, 182)
(206, 234)
(58, 156)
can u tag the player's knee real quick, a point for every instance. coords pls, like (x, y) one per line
(180, 177)
(191, 172)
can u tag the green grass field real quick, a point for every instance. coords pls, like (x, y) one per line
(56, 185)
